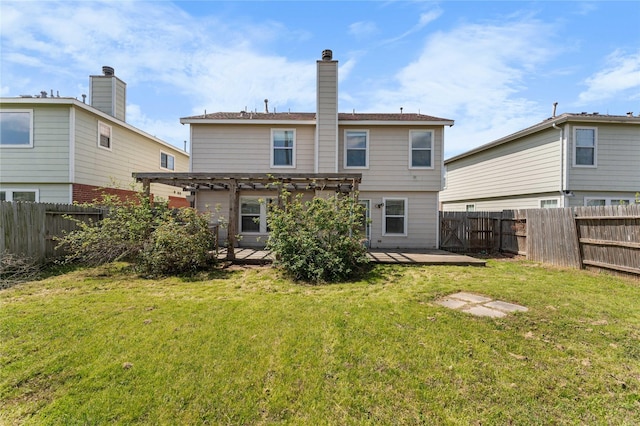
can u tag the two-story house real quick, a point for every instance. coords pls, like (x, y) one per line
(565, 161)
(394, 161)
(62, 150)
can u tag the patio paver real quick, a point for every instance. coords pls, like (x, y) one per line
(479, 305)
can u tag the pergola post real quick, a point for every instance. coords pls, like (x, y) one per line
(146, 187)
(232, 230)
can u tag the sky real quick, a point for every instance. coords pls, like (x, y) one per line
(493, 67)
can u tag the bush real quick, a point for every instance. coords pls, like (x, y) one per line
(156, 239)
(15, 269)
(319, 240)
(180, 244)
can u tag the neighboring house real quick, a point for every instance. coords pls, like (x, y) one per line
(393, 160)
(565, 161)
(61, 150)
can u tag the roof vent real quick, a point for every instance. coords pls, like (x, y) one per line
(327, 55)
(108, 71)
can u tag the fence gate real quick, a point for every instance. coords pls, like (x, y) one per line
(469, 231)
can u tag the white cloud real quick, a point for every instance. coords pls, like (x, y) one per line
(619, 78)
(474, 74)
(424, 20)
(362, 29)
(165, 130)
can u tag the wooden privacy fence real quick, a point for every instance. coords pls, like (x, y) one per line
(605, 237)
(29, 229)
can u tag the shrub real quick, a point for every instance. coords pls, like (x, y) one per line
(156, 239)
(318, 240)
(180, 244)
(15, 269)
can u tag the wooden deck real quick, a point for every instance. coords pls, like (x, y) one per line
(414, 257)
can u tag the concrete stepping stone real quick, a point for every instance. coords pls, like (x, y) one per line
(478, 305)
(483, 311)
(469, 297)
(507, 307)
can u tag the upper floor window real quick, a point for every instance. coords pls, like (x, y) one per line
(167, 161)
(421, 150)
(395, 216)
(356, 149)
(16, 128)
(283, 148)
(586, 141)
(104, 136)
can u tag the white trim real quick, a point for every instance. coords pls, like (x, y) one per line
(8, 191)
(367, 213)
(473, 207)
(25, 111)
(168, 155)
(263, 201)
(293, 149)
(595, 147)
(72, 146)
(384, 216)
(367, 149)
(431, 160)
(110, 147)
(190, 149)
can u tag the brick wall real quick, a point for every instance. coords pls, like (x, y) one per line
(90, 193)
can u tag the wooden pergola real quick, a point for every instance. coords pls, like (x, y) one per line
(234, 183)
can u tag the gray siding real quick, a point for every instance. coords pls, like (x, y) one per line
(530, 165)
(423, 216)
(327, 120)
(499, 204)
(130, 152)
(108, 94)
(242, 148)
(48, 160)
(389, 160)
(618, 160)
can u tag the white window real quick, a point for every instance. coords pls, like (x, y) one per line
(16, 128)
(283, 148)
(104, 135)
(421, 149)
(591, 202)
(551, 203)
(19, 195)
(167, 161)
(356, 149)
(585, 145)
(395, 216)
(470, 207)
(253, 215)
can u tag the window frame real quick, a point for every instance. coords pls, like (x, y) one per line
(607, 201)
(263, 225)
(405, 217)
(366, 149)
(542, 200)
(273, 148)
(173, 162)
(9, 198)
(595, 147)
(100, 125)
(470, 205)
(25, 111)
(430, 149)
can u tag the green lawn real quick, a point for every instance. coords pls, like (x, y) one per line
(246, 346)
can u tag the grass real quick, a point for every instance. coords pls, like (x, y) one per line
(247, 346)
